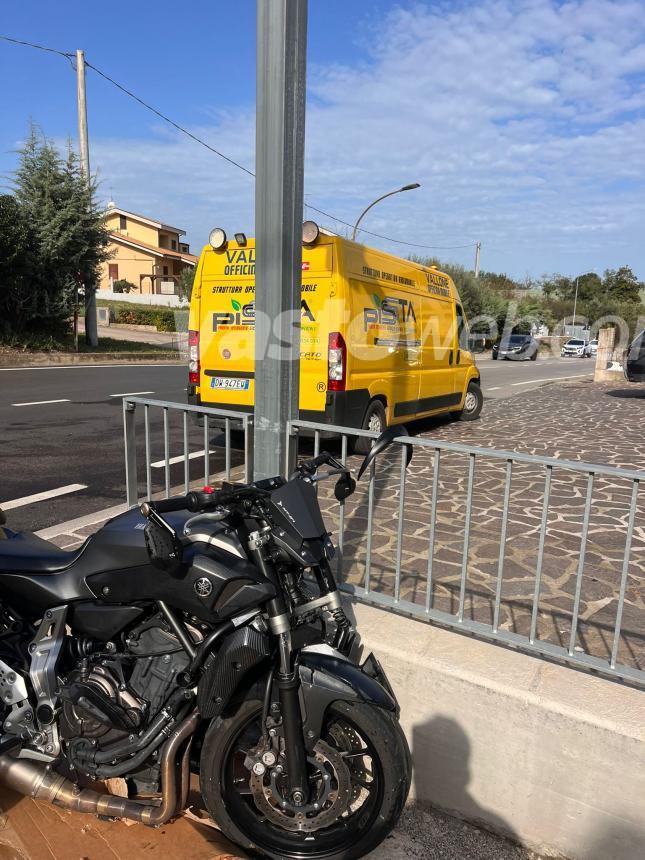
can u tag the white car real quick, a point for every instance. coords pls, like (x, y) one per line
(573, 348)
(591, 348)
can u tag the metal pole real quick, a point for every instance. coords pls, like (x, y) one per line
(91, 333)
(575, 305)
(280, 135)
(410, 187)
(478, 248)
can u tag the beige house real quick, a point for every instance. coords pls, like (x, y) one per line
(145, 252)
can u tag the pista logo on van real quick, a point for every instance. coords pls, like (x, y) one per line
(243, 315)
(389, 311)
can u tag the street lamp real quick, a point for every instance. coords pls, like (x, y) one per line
(575, 305)
(410, 187)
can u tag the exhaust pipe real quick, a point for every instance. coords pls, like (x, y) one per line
(35, 779)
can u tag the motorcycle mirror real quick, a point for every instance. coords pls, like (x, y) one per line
(381, 443)
(345, 486)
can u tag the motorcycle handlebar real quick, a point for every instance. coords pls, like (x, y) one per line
(197, 502)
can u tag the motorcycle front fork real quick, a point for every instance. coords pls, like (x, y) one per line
(287, 678)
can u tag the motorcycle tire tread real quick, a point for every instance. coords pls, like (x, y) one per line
(388, 739)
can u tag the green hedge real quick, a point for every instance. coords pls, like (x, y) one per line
(165, 319)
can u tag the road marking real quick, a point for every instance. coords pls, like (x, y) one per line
(551, 379)
(159, 464)
(131, 393)
(494, 388)
(39, 402)
(41, 497)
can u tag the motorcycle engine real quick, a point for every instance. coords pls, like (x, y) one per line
(107, 697)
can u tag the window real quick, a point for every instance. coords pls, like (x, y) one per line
(173, 244)
(462, 328)
(113, 271)
(123, 222)
(165, 270)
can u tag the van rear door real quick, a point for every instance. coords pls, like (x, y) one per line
(227, 319)
(227, 327)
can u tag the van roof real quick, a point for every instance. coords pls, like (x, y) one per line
(326, 238)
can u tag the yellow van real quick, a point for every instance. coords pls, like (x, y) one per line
(383, 340)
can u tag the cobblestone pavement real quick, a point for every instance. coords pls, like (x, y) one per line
(574, 421)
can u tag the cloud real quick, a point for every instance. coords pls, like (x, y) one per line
(524, 122)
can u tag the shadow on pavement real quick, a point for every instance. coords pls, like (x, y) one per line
(628, 393)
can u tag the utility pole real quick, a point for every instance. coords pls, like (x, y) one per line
(478, 248)
(280, 135)
(575, 305)
(91, 332)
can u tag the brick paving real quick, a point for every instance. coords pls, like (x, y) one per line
(574, 421)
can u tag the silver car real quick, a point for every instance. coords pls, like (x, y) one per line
(591, 349)
(573, 348)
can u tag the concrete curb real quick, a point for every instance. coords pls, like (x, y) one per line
(53, 359)
(548, 756)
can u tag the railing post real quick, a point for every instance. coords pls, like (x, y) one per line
(248, 449)
(130, 441)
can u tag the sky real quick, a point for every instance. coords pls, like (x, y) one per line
(523, 120)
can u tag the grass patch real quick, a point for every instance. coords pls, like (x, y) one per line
(47, 343)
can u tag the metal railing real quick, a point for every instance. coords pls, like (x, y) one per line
(450, 473)
(158, 433)
(387, 594)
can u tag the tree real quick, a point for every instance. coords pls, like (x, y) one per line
(589, 286)
(185, 282)
(67, 237)
(16, 260)
(123, 286)
(622, 285)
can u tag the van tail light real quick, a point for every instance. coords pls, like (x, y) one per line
(336, 362)
(193, 357)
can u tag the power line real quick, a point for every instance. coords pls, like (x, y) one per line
(389, 238)
(67, 54)
(220, 154)
(170, 121)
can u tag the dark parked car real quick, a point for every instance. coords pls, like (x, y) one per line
(516, 347)
(635, 360)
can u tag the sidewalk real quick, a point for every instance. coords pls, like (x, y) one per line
(172, 340)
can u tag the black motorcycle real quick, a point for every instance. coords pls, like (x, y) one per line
(202, 633)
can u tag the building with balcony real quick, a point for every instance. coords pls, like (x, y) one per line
(147, 253)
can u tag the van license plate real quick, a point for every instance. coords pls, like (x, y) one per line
(230, 384)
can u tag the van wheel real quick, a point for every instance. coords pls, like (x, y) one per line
(375, 421)
(473, 403)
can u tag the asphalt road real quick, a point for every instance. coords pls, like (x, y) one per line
(62, 431)
(506, 378)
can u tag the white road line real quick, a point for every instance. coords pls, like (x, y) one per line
(551, 379)
(159, 464)
(494, 388)
(131, 393)
(41, 497)
(39, 402)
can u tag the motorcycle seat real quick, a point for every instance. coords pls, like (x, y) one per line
(24, 552)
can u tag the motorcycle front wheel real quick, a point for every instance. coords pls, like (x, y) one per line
(359, 780)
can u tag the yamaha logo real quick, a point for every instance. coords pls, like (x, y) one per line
(203, 586)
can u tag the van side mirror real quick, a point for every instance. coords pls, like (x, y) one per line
(382, 442)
